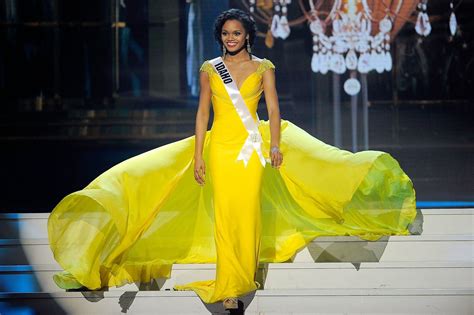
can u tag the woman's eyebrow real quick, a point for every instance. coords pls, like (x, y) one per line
(237, 30)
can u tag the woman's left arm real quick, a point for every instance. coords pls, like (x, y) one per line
(271, 99)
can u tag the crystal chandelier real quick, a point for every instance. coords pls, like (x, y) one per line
(423, 26)
(350, 44)
(343, 39)
(280, 27)
(453, 23)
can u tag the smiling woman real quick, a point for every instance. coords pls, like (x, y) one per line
(270, 188)
(233, 29)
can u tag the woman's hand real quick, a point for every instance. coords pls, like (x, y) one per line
(199, 170)
(276, 156)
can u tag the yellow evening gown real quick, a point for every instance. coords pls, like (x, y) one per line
(137, 219)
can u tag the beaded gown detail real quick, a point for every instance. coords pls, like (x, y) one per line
(137, 219)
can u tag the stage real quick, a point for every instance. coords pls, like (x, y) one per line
(428, 272)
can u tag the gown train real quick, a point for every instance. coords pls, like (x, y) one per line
(137, 219)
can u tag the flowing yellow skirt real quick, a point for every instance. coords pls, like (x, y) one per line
(137, 219)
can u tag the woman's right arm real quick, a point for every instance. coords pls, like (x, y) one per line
(202, 120)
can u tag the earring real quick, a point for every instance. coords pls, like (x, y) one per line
(224, 51)
(249, 49)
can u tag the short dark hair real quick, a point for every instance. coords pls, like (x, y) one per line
(235, 14)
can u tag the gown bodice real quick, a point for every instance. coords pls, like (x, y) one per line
(227, 126)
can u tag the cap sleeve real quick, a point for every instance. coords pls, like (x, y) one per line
(207, 67)
(265, 64)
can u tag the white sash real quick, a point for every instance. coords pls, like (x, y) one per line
(254, 139)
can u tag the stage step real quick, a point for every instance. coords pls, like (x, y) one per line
(428, 221)
(418, 248)
(295, 301)
(415, 275)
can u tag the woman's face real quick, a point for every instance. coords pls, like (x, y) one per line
(233, 35)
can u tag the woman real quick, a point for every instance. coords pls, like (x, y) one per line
(136, 220)
(237, 185)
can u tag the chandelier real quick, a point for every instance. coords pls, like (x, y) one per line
(350, 46)
(343, 32)
(348, 36)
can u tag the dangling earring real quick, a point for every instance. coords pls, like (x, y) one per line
(249, 49)
(224, 51)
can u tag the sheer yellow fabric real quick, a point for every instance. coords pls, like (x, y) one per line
(137, 219)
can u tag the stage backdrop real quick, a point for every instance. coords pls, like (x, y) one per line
(85, 84)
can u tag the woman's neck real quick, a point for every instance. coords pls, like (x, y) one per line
(242, 55)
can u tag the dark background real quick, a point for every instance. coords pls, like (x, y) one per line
(79, 95)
